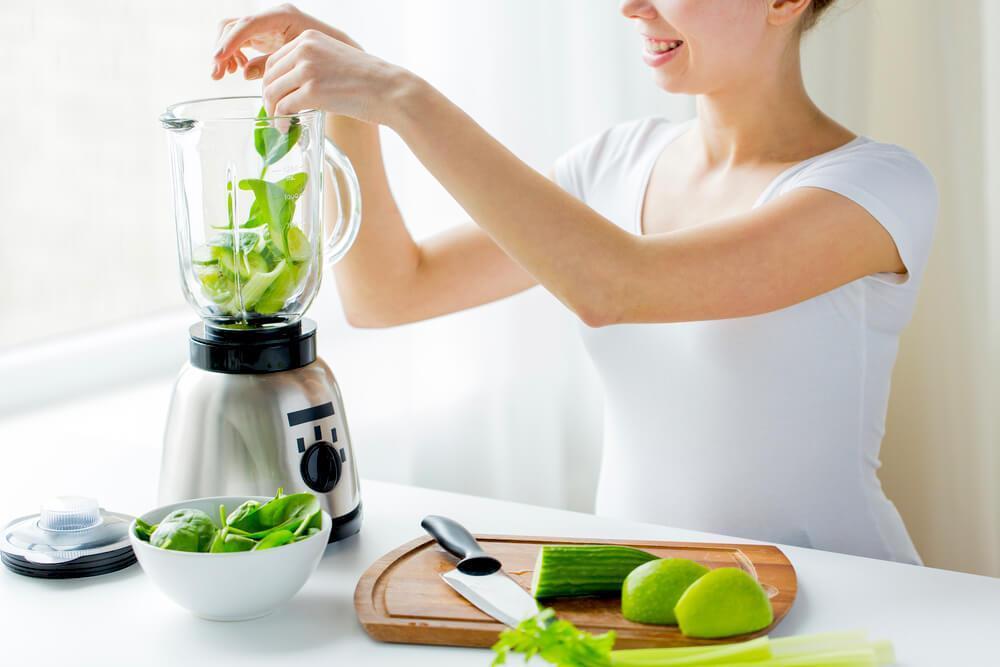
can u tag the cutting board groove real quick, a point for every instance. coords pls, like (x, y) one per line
(402, 598)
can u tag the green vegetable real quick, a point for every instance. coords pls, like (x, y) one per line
(299, 510)
(271, 144)
(586, 569)
(184, 530)
(561, 643)
(241, 513)
(246, 275)
(556, 641)
(143, 530)
(250, 527)
(275, 539)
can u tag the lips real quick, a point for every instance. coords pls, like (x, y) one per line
(658, 51)
(657, 46)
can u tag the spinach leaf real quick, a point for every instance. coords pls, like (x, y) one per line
(228, 542)
(143, 530)
(276, 539)
(245, 517)
(184, 530)
(274, 205)
(271, 144)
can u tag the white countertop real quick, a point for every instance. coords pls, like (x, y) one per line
(934, 617)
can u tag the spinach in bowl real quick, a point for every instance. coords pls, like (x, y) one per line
(250, 527)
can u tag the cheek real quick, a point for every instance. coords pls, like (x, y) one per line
(721, 35)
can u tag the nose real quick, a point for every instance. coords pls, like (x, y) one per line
(637, 9)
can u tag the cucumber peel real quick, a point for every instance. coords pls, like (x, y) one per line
(584, 569)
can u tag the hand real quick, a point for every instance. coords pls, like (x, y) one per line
(265, 32)
(317, 71)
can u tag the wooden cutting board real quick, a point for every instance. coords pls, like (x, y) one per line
(402, 598)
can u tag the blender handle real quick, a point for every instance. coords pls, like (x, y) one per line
(345, 231)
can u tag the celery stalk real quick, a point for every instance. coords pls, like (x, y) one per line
(819, 642)
(745, 652)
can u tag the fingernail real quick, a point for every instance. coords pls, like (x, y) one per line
(253, 72)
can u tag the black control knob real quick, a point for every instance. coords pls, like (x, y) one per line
(321, 467)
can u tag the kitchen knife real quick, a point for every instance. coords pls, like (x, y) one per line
(479, 577)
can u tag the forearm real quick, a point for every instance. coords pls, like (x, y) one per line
(383, 263)
(574, 252)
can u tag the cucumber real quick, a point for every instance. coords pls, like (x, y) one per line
(258, 284)
(246, 265)
(280, 291)
(299, 248)
(585, 569)
(203, 256)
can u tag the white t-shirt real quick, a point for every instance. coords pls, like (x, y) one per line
(766, 427)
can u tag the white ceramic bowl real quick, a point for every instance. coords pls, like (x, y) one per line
(231, 586)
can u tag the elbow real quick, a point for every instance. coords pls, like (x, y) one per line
(364, 319)
(597, 313)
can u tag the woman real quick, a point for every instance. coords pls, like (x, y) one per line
(743, 277)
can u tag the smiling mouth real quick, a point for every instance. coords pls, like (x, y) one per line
(656, 47)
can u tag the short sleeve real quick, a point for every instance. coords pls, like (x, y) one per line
(894, 187)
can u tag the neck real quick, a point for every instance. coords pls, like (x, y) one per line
(771, 118)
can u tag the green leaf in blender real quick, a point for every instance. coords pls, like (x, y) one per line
(274, 205)
(184, 530)
(272, 144)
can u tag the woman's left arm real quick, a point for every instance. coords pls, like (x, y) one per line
(801, 245)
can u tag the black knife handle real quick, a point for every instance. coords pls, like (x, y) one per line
(460, 543)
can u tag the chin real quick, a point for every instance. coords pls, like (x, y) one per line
(673, 83)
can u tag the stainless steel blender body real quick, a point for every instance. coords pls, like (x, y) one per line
(251, 433)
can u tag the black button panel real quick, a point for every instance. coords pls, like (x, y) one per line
(321, 467)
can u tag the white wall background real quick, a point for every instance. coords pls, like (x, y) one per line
(500, 400)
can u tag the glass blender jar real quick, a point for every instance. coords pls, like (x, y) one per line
(248, 203)
(255, 408)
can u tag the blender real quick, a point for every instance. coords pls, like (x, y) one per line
(255, 408)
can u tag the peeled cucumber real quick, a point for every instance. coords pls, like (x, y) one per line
(584, 569)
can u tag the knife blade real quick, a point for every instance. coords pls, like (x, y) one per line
(478, 576)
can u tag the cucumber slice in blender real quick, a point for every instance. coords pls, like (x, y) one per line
(282, 289)
(299, 248)
(203, 256)
(257, 285)
(245, 265)
(218, 287)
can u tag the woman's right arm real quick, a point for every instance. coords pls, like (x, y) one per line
(387, 278)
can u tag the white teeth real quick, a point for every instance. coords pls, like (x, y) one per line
(657, 46)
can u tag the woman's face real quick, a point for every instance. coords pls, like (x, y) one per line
(702, 46)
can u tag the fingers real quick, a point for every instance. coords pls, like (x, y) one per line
(244, 29)
(276, 92)
(296, 101)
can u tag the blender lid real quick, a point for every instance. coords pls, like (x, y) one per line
(72, 536)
